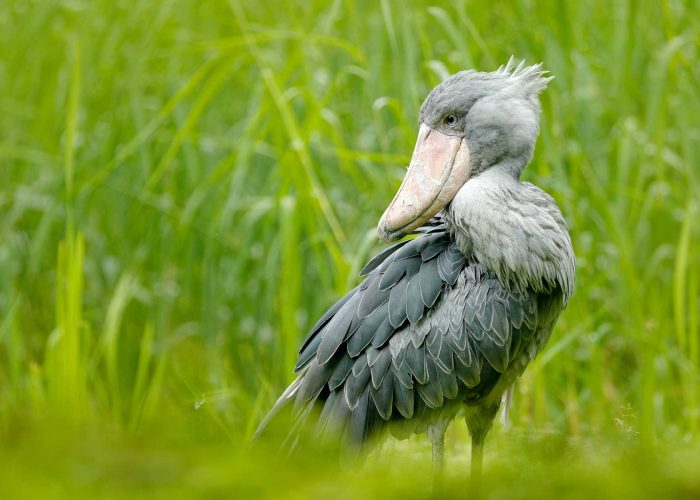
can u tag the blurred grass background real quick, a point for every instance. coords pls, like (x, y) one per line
(186, 186)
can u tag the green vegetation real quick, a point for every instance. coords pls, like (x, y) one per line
(185, 187)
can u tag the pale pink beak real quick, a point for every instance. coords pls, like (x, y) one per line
(439, 168)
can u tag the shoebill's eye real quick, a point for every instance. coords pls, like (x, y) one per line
(451, 120)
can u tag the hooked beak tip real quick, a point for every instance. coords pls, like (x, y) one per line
(384, 234)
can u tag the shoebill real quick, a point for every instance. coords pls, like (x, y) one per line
(443, 323)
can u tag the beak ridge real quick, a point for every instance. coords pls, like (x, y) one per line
(439, 168)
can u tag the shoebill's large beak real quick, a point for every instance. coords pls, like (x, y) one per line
(439, 168)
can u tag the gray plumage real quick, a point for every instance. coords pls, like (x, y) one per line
(447, 321)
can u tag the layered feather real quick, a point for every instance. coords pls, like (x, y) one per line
(423, 330)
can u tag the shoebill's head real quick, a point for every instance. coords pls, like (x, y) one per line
(469, 123)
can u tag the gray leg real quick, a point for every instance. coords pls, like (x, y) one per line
(439, 452)
(477, 460)
(436, 435)
(507, 401)
(479, 421)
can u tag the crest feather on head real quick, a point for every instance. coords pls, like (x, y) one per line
(533, 78)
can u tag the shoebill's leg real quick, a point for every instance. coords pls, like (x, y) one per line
(477, 457)
(479, 421)
(437, 438)
(507, 401)
(436, 435)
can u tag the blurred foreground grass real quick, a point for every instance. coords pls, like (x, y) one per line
(175, 462)
(186, 186)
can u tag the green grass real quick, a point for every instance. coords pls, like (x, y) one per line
(186, 186)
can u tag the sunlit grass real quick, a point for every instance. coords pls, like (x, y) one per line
(186, 186)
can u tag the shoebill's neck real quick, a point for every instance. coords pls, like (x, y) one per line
(514, 230)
